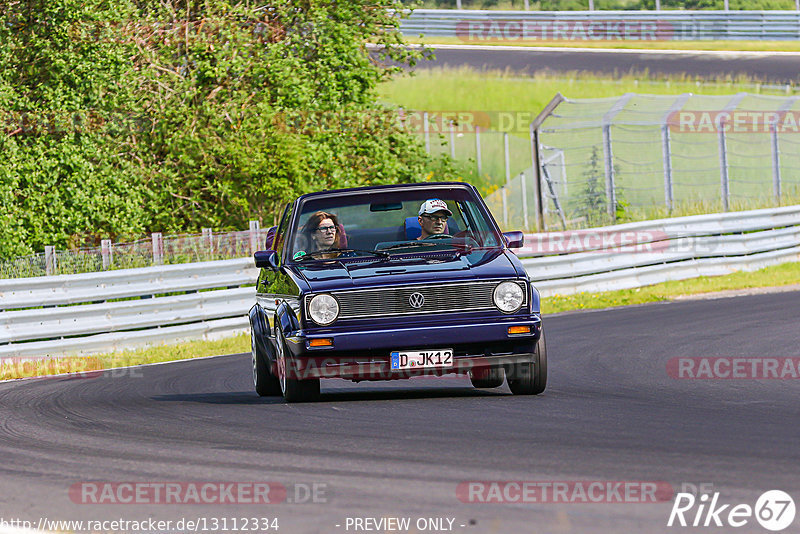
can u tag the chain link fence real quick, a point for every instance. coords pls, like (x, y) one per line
(170, 249)
(629, 158)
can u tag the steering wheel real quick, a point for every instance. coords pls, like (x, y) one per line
(439, 236)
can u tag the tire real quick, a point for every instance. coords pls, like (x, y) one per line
(530, 378)
(266, 383)
(491, 377)
(293, 390)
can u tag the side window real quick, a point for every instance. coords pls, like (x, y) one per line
(283, 227)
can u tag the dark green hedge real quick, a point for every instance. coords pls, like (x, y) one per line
(125, 117)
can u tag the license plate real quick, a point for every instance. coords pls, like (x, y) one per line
(422, 359)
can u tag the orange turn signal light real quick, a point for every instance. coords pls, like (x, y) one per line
(519, 329)
(321, 342)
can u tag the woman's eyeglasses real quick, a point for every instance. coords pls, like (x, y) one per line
(325, 229)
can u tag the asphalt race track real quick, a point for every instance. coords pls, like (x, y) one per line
(611, 413)
(780, 68)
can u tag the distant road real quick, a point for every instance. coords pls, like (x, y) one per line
(775, 67)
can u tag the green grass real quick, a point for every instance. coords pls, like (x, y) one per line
(777, 275)
(745, 46)
(11, 368)
(465, 88)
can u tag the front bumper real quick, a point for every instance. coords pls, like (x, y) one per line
(364, 354)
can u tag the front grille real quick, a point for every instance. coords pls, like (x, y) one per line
(438, 298)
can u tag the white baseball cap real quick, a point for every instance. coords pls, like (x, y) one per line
(432, 205)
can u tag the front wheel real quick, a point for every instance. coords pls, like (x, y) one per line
(530, 378)
(266, 383)
(293, 389)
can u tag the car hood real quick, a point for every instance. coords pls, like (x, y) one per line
(337, 275)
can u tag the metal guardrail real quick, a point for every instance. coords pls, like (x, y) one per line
(101, 312)
(114, 310)
(635, 254)
(476, 27)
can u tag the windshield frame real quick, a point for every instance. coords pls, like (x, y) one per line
(366, 195)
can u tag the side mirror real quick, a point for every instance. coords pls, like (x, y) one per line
(270, 237)
(266, 259)
(514, 239)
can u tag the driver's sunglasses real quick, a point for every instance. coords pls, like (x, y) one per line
(440, 218)
(325, 229)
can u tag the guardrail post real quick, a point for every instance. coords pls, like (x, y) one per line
(107, 252)
(427, 132)
(254, 244)
(776, 162)
(667, 157)
(50, 260)
(478, 150)
(723, 167)
(158, 248)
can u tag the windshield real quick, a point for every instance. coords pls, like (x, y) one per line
(383, 224)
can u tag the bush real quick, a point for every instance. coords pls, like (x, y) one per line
(161, 116)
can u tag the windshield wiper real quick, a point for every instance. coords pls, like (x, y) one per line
(378, 253)
(409, 244)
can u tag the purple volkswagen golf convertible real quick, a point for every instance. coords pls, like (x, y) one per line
(392, 282)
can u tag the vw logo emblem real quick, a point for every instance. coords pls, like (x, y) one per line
(416, 300)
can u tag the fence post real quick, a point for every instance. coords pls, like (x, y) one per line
(608, 164)
(158, 248)
(536, 159)
(452, 140)
(507, 160)
(776, 162)
(254, 244)
(523, 178)
(208, 239)
(667, 119)
(608, 155)
(427, 132)
(478, 149)
(723, 149)
(723, 167)
(667, 158)
(107, 252)
(50, 260)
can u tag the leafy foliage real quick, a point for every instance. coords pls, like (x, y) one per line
(123, 117)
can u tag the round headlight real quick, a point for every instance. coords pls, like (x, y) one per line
(508, 297)
(323, 309)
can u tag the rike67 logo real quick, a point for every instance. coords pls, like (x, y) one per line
(774, 510)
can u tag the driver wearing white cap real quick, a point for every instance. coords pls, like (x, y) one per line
(433, 214)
